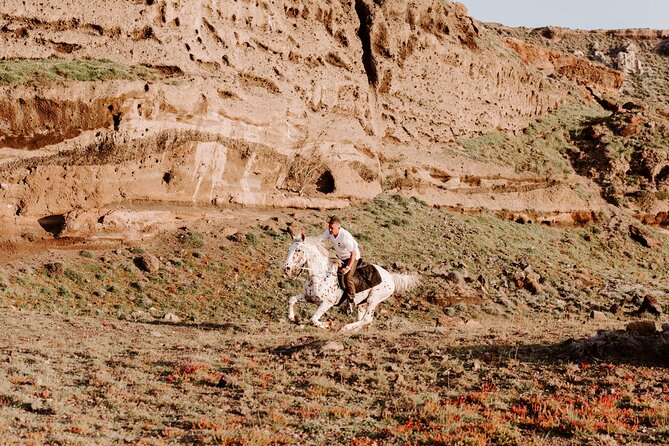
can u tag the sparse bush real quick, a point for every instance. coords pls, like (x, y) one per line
(193, 240)
(74, 276)
(251, 238)
(63, 291)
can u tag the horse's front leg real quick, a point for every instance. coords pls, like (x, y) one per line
(291, 305)
(320, 311)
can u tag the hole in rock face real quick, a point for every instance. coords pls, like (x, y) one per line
(116, 117)
(326, 183)
(52, 224)
(167, 177)
(663, 175)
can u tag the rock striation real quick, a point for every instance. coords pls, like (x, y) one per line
(300, 103)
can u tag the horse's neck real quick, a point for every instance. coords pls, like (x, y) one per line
(318, 264)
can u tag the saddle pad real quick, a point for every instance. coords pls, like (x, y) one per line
(366, 277)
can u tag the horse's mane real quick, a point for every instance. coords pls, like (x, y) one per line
(317, 243)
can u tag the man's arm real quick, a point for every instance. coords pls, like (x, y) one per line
(351, 262)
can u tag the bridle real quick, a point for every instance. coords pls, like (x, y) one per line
(302, 269)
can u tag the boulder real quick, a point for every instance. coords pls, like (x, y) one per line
(171, 317)
(627, 61)
(598, 316)
(148, 263)
(650, 305)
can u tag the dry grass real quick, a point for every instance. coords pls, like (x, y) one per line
(80, 380)
(20, 71)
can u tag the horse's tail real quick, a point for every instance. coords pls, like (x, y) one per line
(405, 282)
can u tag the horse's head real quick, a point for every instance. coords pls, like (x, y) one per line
(297, 256)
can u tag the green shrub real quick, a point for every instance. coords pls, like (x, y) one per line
(251, 238)
(192, 240)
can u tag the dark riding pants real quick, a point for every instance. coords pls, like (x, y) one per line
(348, 279)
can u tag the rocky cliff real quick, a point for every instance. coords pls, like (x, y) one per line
(307, 104)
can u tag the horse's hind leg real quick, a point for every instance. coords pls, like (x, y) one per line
(291, 305)
(374, 299)
(362, 309)
(320, 311)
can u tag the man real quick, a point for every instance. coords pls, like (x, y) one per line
(347, 251)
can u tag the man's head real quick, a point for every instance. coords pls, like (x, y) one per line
(333, 226)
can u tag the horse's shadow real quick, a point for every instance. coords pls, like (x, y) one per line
(208, 326)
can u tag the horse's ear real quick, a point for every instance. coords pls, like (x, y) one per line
(298, 237)
(302, 236)
(295, 231)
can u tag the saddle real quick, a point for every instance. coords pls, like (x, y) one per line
(366, 276)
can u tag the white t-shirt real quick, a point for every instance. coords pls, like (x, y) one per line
(344, 243)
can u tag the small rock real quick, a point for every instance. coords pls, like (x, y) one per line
(449, 322)
(399, 266)
(642, 327)
(598, 316)
(332, 346)
(665, 327)
(36, 406)
(400, 380)
(148, 263)
(171, 317)
(55, 269)
(473, 324)
(642, 237)
(224, 384)
(140, 315)
(456, 278)
(156, 334)
(237, 237)
(615, 309)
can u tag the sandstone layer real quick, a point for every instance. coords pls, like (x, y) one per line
(307, 104)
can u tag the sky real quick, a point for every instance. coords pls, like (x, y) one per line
(581, 14)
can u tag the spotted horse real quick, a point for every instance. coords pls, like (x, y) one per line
(309, 258)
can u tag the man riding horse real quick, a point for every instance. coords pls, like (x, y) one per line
(347, 250)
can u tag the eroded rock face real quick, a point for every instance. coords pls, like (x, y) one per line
(306, 104)
(575, 68)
